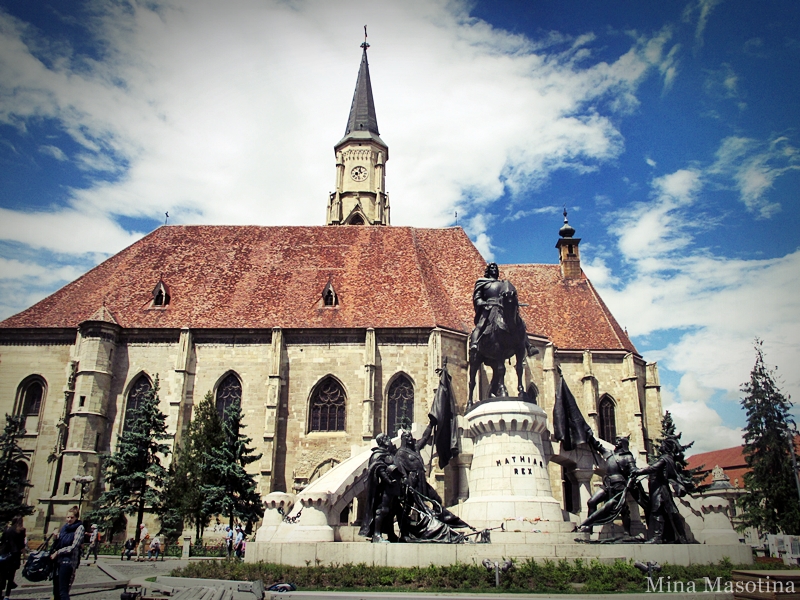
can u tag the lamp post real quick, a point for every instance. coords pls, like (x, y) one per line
(83, 481)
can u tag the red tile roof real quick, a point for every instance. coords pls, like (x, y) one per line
(569, 310)
(731, 460)
(260, 277)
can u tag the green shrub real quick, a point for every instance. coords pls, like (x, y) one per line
(530, 575)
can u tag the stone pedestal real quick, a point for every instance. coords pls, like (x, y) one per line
(272, 518)
(508, 478)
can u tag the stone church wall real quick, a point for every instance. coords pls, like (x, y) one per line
(49, 361)
(365, 362)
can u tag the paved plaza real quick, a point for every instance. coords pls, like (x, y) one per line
(101, 581)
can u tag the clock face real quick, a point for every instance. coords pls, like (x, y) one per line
(358, 173)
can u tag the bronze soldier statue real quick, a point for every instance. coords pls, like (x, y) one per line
(618, 481)
(383, 493)
(666, 523)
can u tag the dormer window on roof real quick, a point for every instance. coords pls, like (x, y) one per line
(329, 297)
(161, 295)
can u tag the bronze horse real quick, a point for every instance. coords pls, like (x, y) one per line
(503, 336)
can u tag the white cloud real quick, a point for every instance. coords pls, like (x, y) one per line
(703, 8)
(53, 151)
(227, 113)
(650, 229)
(65, 231)
(753, 167)
(695, 420)
(710, 307)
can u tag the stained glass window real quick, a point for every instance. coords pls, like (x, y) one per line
(328, 406)
(400, 405)
(33, 399)
(608, 422)
(228, 392)
(136, 396)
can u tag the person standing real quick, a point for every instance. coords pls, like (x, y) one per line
(12, 542)
(144, 542)
(94, 543)
(237, 544)
(229, 540)
(66, 554)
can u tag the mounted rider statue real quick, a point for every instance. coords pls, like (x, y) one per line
(499, 333)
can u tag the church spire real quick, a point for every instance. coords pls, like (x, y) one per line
(362, 110)
(360, 197)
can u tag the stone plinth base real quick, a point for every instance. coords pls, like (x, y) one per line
(508, 478)
(488, 512)
(423, 555)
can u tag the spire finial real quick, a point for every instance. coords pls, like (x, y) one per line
(365, 45)
(567, 230)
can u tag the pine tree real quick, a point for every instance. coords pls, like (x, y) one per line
(771, 503)
(188, 472)
(233, 492)
(12, 477)
(133, 475)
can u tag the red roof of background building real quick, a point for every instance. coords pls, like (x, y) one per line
(261, 277)
(731, 460)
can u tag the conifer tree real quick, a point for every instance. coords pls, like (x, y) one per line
(771, 503)
(12, 478)
(233, 491)
(188, 472)
(134, 476)
(170, 510)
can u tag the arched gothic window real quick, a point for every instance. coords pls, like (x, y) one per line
(22, 470)
(608, 421)
(533, 393)
(31, 406)
(400, 405)
(357, 220)
(136, 396)
(228, 392)
(327, 406)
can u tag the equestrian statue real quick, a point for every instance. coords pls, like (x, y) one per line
(499, 332)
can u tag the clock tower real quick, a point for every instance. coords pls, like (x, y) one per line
(360, 197)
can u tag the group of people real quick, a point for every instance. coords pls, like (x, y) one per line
(151, 546)
(235, 541)
(65, 553)
(622, 479)
(398, 490)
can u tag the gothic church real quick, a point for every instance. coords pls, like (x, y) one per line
(327, 335)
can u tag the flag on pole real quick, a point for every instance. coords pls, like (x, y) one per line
(443, 414)
(569, 426)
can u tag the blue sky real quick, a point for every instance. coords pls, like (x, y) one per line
(669, 131)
